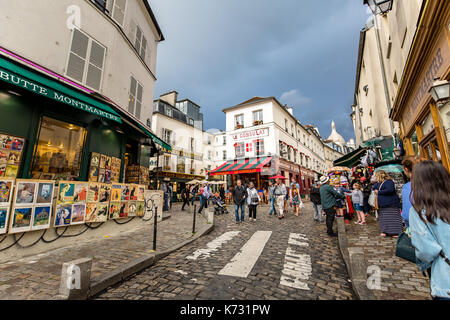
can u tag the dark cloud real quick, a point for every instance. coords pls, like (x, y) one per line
(220, 53)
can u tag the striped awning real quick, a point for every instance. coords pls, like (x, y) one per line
(241, 166)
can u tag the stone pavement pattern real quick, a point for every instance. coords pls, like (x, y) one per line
(38, 277)
(400, 279)
(176, 277)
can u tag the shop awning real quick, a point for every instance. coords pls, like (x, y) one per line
(241, 166)
(19, 76)
(350, 159)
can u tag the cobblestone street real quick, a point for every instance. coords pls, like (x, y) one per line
(298, 261)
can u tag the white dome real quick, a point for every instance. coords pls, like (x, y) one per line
(335, 136)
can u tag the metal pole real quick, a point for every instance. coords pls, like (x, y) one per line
(155, 227)
(195, 214)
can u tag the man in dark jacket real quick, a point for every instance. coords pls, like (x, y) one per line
(314, 194)
(329, 204)
(185, 196)
(239, 197)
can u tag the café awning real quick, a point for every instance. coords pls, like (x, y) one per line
(14, 74)
(350, 159)
(250, 165)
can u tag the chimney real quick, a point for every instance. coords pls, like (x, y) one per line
(170, 97)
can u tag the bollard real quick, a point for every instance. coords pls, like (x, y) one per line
(155, 227)
(195, 214)
(75, 279)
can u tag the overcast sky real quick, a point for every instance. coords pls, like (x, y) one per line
(219, 53)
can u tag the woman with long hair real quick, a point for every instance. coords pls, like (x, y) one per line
(389, 216)
(408, 163)
(429, 223)
(295, 199)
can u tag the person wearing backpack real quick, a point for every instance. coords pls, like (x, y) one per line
(253, 200)
(429, 224)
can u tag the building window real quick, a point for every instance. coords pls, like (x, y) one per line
(169, 112)
(116, 10)
(140, 43)
(289, 153)
(224, 155)
(86, 60)
(249, 147)
(224, 140)
(209, 154)
(192, 144)
(286, 125)
(257, 117)
(239, 150)
(135, 98)
(181, 166)
(59, 149)
(100, 4)
(292, 130)
(239, 121)
(167, 135)
(259, 147)
(167, 163)
(295, 156)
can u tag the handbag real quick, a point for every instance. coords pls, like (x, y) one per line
(404, 248)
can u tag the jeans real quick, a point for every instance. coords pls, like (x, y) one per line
(317, 212)
(193, 199)
(204, 203)
(185, 202)
(272, 207)
(236, 208)
(252, 211)
(330, 212)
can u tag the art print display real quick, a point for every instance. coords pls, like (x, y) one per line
(116, 191)
(78, 213)
(125, 192)
(21, 220)
(45, 192)
(80, 193)
(140, 208)
(11, 171)
(25, 192)
(63, 215)
(108, 163)
(2, 169)
(93, 192)
(5, 191)
(66, 192)
(134, 192)
(11, 149)
(13, 157)
(123, 212)
(141, 193)
(4, 155)
(41, 217)
(115, 169)
(101, 175)
(5, 141)
(105, 193)
(107, 176)
(4, 214)
(47, 176)
(93, 174)
(102, 161)
(114, 210)
(96, 212)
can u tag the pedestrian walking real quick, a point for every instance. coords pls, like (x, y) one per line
(239, 198)
(314, 195)
(206, 194)
(430, 229)
(253, 200)
(295, 200)
(389, 216)
(194, 191)
(185, 196)
(222, 193)
(272, 198)
(340, 201)
(280, 197)
(366, 190)
(408, 164)
(170, 194)
(358, 203)
(328, 198)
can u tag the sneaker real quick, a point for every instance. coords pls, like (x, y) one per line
(362, 223)
(357, 222)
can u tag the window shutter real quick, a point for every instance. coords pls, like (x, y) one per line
(96, 61)
(132, 31)
(77, 56)
(137, 41)
(174, 137)
(143, 48)
(138, 101)
(118, 12)
(132, 95)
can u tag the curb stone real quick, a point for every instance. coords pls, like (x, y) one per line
(356, 264)
(103, 282)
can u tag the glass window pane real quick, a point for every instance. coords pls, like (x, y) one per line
(59, 149)
(131, 104)
(138, 110)
(79, 43)
(133, 86)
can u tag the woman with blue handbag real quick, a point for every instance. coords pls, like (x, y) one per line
(430, 230)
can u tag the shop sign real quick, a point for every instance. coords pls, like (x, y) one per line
(257, 133)
(52, 94)
(434, 70)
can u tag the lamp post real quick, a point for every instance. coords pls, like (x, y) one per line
(440, 92)
(381, 7)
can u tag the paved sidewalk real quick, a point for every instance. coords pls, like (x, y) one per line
(400, 279)
(38, 277)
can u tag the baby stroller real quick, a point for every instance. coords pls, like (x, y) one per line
(219, 205)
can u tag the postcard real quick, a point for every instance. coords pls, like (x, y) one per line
(4, 155)
(5, 191)
(17, 144)
(66, 192)
(132, 208)
(80, 194)
(93, 192)
(93, 174)
(11, 171)
(63, 215)
(95, 159)
(105, 193)
(133, 192)
(78, 213)
(21, 220)
(41, 217)
(108, 163)
(14, 157)
(102, 161)
(2, 169)
(116, 191)
(101, 175)
(107, 176)
(91, 212)
(102, 212)
(123, 213)
(5, 141)
(141, 193)
(125, 192)
(45, 192)
(25, 193)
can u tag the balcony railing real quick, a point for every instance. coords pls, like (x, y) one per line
(238, 126)
(257, 122)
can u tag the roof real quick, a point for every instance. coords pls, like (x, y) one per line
(152, 16)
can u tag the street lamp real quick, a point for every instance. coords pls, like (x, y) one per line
(440, 91)
(379, 6)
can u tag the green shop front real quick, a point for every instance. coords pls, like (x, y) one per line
(51, 130)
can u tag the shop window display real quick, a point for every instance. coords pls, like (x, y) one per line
(11, 148)
(59, 150)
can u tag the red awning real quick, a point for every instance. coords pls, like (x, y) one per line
(241, 166)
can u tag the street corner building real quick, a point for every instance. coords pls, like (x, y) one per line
(76, 100)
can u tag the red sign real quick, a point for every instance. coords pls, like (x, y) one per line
(251, 134)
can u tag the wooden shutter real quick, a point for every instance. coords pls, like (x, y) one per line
(138, 101)
(132, 95)
(95, 67)
(143, 48)
(77, 55)
(118, 13)
(132, 31)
